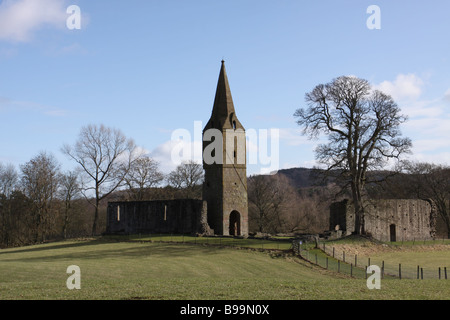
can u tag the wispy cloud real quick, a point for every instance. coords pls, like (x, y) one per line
(8, 105)
(19, 19)
(74, 48)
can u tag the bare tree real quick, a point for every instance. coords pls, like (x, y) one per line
(39, 183)
(144, 173)
(265, 203)
(8, 180)
(69, 189)
(105, 155)
(363, 132)
(187, 176)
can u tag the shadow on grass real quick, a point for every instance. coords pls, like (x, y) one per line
(111, 249)
(47, 246)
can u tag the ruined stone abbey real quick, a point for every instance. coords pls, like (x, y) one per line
(223, 209)
(388, 219)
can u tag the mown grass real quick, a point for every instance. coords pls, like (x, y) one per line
(163, 271)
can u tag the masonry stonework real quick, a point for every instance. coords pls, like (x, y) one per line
(388, 220)
(160, 216)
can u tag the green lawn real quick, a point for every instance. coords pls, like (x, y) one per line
(145, 270)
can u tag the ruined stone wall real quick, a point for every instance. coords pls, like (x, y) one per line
(388, 220)
(161, 216)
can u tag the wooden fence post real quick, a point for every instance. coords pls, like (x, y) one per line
(400, 271)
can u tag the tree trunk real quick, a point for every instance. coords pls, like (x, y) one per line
(94, 225)
(66, 219)
(359, 209)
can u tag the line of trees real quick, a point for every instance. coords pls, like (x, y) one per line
(40, 202)
(277, 206)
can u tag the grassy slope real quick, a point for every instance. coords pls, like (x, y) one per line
(130, 270)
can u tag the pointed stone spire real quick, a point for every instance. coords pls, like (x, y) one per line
(223, 114)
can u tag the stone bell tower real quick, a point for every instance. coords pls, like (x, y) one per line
(224, 162)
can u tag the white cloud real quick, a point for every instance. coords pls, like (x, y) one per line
(442, 158)
(172, 153)
(20, 18)
(428, 124)
(404, 87)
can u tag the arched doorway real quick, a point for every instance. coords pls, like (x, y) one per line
(235, 224)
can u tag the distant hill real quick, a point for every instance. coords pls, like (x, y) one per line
(312, 177)
(300, 177)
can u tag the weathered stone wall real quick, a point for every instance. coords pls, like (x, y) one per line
(235, 199)
(388, 220)
(225, 187)
(161, 216)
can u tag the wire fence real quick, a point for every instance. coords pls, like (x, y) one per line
(330, 258)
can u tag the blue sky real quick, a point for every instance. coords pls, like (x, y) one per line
(151, 67)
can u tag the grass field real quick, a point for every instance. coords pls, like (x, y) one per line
(148, 270)
(428, 255)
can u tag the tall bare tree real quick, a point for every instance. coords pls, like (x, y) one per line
(363, 129)
(105, 156)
